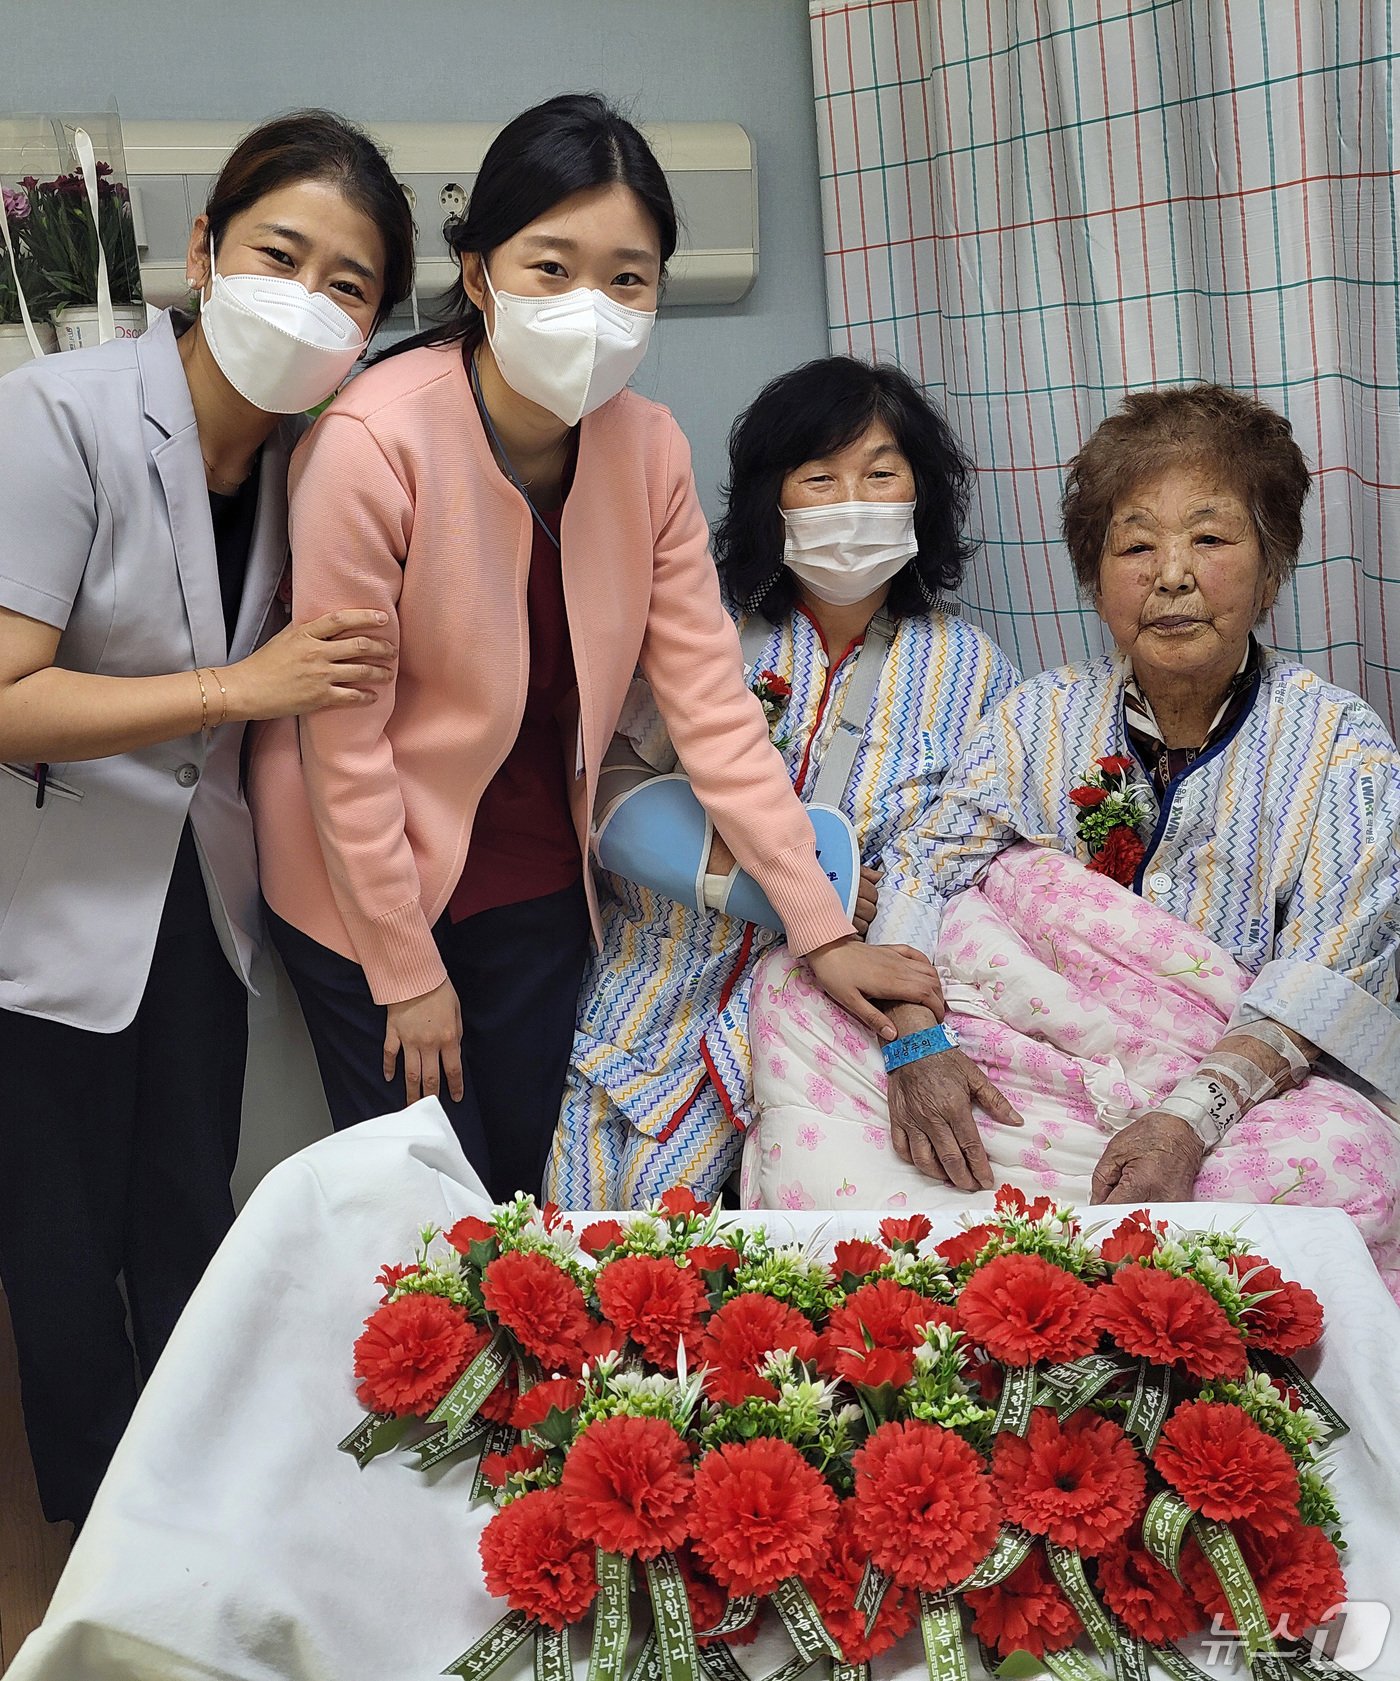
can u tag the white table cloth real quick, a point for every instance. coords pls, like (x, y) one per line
(232, 1542)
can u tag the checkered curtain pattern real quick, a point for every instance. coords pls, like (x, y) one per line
(1036, 205)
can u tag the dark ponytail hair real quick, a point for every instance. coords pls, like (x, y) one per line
(318, 145)
(564, 146)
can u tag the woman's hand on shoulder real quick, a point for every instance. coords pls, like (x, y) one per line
(428, 1032)
(1153, 1159)
(932, 1124)
(854, 975)
(339, 659)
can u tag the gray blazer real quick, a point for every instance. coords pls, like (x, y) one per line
(105, 533)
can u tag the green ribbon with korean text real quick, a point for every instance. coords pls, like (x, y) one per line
(612, 1618)
(1017, 1401)
(1074, 1383)
(941, 1627)
(1067, 1568)
(376, 1434)
(463, 1401)
(1009, 1552)
(552, 1661)
(1147, 1411)
(802, 1620)
(494, 1647)
(1223, 1554)
(670, 1609)
(1164, 1526)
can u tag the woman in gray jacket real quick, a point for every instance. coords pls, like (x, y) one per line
(143, 488)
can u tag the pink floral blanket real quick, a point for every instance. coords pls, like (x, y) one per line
(1085, 1005)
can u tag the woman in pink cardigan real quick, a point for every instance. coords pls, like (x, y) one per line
(532, 531)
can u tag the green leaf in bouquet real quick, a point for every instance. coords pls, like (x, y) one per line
(1020, 1666)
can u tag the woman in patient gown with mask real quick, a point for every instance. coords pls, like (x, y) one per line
(842, 536)
(531, 531)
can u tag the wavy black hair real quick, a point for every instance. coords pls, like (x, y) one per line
(564, 146)
(814, 411)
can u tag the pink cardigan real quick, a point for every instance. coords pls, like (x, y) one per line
(363, 815)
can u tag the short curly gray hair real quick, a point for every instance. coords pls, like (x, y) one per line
(1249, 444)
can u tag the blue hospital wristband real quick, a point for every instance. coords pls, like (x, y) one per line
(914, 1047)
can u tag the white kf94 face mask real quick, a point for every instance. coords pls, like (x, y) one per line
(283, 348)
(569, 353)
(844, 551)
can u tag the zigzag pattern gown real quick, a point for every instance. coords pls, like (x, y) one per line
(659, 1089)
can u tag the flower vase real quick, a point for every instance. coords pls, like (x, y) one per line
(77, 329)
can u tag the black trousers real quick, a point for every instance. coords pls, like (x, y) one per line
(115, 1156)
(516, 971)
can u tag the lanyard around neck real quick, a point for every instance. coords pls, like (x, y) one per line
(500, 449)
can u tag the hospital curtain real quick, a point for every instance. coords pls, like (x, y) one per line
(1035, 205)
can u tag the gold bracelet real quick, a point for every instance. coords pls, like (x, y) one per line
(203, 704)
(223, 710)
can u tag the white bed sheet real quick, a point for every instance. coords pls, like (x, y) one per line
(232, 1542)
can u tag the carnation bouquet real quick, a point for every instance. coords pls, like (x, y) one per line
(1109, 806)
(1077, 1450)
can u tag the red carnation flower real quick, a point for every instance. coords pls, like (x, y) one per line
(539, 1304)
(1023, 1309)
(679, 1201)
(1288, 1319)
(1088, 796)
(1119, 856)
(1011, 1199)
(1298, 1575)
(1025, 1613)
(1221, 1463)
(1144, 1594)
(655, 1303)
(761, 1514)
(627, 1486)
(1170, 1321)
(870, 1338)
(1078, 1482)
(497, 1467)
(535, 1405)
(739, 1339)
(925, 1509)
(709, 1602)
(389, 1275)
(500, 1403)
(907, 1233)
(601, 1235)
(1133, 1239)
(600, 1340)
(833, 1585)
(713, 1257)
(1115, 765)
(856, 1257)
(966, 1246)
(410, 1353)
(535, 1561)
(468, 1231)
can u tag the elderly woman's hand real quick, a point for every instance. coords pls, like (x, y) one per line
(931, 1118)
(1154, 1159)
(867, 900)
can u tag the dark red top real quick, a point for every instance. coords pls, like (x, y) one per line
(523, 842)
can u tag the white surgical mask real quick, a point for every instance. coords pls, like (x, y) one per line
(569, 353)
(846, 550)
(283, 348)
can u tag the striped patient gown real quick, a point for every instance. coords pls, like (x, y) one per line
(659, 1088)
